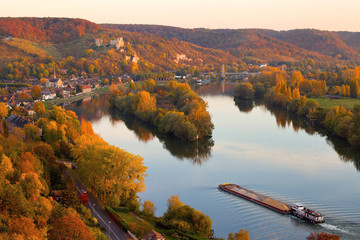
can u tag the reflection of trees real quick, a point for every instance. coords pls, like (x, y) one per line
(345, 151)
(197, 152)
(90, 109)
(244, 105)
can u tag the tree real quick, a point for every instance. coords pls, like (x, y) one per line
(36, 92)
(24, 227)
(79, 88)
(68, 228)
(322, 236)
(174, 203)
(241, 235)
(70, 193)
(244, 91)
(6, 166)
(148, 208)
(3, 110)
(39, 108)
(32, 132)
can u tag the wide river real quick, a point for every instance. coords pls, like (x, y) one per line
(253, 147)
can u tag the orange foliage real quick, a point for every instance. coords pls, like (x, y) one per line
(69, 227)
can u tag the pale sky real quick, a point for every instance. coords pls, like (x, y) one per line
(331, 15)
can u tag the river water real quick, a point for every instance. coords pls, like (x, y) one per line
(262, 150)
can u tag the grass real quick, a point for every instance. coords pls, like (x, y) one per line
(327, 103)
(27, 47)
(150, 223)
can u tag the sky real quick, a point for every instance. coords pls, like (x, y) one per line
(332, 15)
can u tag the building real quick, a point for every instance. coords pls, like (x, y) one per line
(54, 82)
(86, 89)
(153, 235)
(118, 43)
(16, 121)
(98, 42)
(48, 95)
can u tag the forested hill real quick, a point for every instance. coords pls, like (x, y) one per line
(323, 42)
(46, 29)
(268, 45)
(78, 45)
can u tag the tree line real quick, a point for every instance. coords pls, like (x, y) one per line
(30, 170)
(291, 92)
(173, 108)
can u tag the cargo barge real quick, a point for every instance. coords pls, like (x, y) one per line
(297, 210)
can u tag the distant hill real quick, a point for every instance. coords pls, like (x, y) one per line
(323, 42)
(265, 45)
(352, 39)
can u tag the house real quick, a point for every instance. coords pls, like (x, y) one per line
(16, 121)
(30, 110)
(86, 89)
(48, 95)
(54, 82)
(56, 195)
(153, 235)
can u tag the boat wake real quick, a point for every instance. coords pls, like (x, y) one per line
(334, 228)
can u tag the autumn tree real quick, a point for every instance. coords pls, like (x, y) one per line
(36, 92)
(244, 91)
(24, 227)
(70, 193)
(69, 227)
(174, 202)
(32, 132)
(39, 108)
(322, 236)
(3, 110)
(114, 175)
(241, 235)
(148, 208)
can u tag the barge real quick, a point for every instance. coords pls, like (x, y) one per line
(297, 210)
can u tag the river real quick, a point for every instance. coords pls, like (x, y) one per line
(265, 151)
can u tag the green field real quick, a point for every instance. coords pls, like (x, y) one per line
(329, 103)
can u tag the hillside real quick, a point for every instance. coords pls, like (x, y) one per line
(323, 42)
(56, 30)
(264, 45)
(352, 39)
(90, 48)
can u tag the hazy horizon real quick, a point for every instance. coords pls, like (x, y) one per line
(278, 15)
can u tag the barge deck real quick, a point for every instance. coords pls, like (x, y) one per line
(260, 199)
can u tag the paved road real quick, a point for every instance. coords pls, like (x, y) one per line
(112, 230)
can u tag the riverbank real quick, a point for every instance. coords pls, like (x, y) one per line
(75, 98)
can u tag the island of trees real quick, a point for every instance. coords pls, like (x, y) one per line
(173, 108)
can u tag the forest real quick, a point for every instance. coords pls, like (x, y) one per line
(173, 108)
(295, 93)
(31, 170)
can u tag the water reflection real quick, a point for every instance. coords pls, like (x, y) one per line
(197, 152)
(285, 119)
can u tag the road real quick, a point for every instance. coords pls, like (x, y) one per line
(112, 230)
